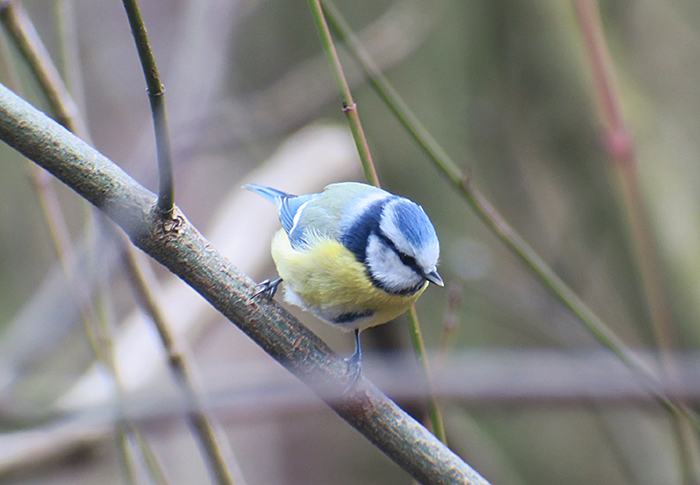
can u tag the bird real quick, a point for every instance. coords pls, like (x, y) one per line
(354, 255)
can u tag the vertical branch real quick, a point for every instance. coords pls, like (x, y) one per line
(620, 147)
(419, 347)
(156, 96)
(350, 109)
(349, 105)
(28, 42)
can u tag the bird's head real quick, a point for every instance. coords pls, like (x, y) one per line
(402, 249)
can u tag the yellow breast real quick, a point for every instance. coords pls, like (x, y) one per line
(326, 279)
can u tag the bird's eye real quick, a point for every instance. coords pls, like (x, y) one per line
(407, 260)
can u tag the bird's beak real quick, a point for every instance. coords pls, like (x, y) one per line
(434, 278)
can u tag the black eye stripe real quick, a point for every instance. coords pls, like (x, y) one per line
(407, 260)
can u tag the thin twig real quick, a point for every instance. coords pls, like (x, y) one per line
(620, 147)
(200, 422)
(69, 52)
(156, 471)
(350, 109)
(124, 448)
(203, 426)
(23, 33)
(156, 96)
(450, 322)
(619, 144)
(419, 347)
(349, 105)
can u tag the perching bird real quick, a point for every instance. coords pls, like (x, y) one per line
(354, 255)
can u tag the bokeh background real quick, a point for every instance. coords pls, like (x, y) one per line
(506, 88)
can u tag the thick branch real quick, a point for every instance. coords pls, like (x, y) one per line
(181, 248)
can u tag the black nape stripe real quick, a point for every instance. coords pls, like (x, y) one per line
(356, 236)
(407, 260)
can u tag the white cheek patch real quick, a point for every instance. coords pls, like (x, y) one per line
(386, 267)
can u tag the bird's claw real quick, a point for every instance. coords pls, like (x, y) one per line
(267, 288)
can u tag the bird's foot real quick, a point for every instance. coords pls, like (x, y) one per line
(267, 288)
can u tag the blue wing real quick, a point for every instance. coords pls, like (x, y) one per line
(287, 204)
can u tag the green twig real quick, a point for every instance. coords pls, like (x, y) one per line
(419, 346)
(350, 109)
(124, 448)
(489, 215)
(349, 105)
(156, 96)
(176, 244)
(389, 95)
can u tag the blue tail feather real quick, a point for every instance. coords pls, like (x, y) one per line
(287, 204)
(273, 195)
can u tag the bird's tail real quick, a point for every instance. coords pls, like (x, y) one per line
(287, 204)
(273, 195)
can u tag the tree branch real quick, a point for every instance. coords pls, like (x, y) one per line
(181, 248)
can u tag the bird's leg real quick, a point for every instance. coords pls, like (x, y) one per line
(267, 288)
(354, 371)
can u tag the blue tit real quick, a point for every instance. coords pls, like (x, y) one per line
(354, 255)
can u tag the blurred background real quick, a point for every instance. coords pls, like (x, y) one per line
(506, 88)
